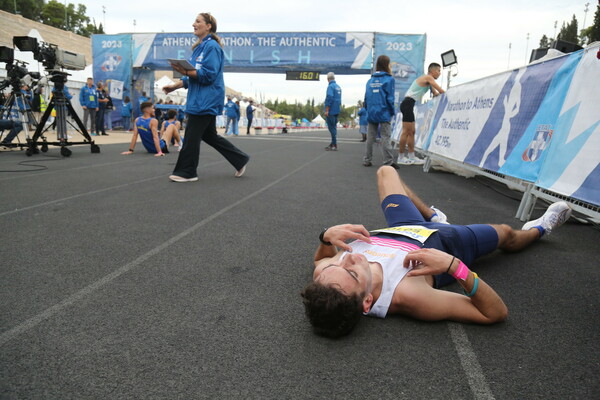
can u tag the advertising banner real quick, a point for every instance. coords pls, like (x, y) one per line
(572, 165)
(112, 65)
(503, 123)
(344, 53)
(407, 56)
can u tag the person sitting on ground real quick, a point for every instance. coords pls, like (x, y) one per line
(147, 127)
(400, 269)
(14, 126)
(170, 129)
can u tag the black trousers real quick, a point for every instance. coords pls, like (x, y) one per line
(203, 128)
(100, 120)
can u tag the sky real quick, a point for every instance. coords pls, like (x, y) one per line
(478, 31)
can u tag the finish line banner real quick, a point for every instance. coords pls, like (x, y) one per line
(269, 52)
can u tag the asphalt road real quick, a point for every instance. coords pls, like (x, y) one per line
(117, 284)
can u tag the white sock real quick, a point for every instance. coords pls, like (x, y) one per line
(411, 155)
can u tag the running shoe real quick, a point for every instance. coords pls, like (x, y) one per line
(417, 161)
(438, 216)
(556, 215)
(406, 161)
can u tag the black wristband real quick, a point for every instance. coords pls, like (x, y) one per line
(322, 237)
(131, 150)
(451, 262)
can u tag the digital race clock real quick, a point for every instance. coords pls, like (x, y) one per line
(302, 75)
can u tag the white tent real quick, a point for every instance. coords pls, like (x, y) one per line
(319, 121)
(178, 96)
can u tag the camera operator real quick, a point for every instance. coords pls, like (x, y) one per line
(14, 126)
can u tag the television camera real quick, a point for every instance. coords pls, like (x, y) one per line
(53, 59)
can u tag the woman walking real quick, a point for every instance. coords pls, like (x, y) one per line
(206, 92)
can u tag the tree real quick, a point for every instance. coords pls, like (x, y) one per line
(53, 13)
(544, 42)
(29, 9)
(568, 32)
(593, 34)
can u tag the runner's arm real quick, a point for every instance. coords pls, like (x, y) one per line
(484, 307)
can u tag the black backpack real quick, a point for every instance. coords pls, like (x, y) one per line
(109, 105)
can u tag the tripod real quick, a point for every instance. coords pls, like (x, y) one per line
(63, 107)
(18, 104)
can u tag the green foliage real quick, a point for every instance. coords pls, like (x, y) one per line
(544, 41)
(29, 9)
(593, 34)
(568, 32)
(308, 110)
(53, 13)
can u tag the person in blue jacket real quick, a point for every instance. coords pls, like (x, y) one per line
(126, 110)
(206, 90)
(249, 116)
(88, 98)
(362, 121)
(379, 102)
(229, 112)
(333, 103)
(236, 119)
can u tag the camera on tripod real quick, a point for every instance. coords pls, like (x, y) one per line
(53, 59)
(16, 71)
(50, 55)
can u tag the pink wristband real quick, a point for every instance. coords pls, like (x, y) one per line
(461, 272)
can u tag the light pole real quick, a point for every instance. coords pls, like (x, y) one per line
(526, 48)
(509, 49)
(587, 8)
(104, 17)
(555, 25)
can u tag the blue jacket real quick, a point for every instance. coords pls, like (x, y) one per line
(379, 97)
(126, 110)
(250, 111)
(237, 111)
(230, 109)
(362, 116)
(333, 100)
(88, 97)
(206, 92)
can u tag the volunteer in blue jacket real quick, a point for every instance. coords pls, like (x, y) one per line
(249, 116)
(88, 98)
(362, 121)
(379, 102)
(206, 91)
(333, 103)
(229, 113)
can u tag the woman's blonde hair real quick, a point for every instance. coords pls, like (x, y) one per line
(209, 19)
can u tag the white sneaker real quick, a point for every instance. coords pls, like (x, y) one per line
(240, 172)
(176, 178)
(439, 216)
(405, 161)
(556, 215)
(417, 161)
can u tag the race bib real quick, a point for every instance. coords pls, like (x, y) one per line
(416, 232)
(92, 98)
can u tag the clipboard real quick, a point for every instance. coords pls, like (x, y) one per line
(185, 64)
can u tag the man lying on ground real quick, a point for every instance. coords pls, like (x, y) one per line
(400, 269)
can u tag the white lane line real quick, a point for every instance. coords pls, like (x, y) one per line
(86, 291)
(47, 203)
(469, 362)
